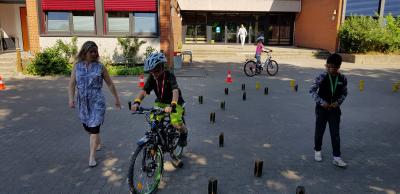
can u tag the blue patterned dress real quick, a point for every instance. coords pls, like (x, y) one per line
(90, 98)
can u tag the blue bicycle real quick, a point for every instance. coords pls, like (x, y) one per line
(147, 162)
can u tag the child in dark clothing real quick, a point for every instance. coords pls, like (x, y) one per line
(329, 90)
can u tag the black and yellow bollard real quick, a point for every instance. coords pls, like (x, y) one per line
(361, 85)
(222, 105)
(300, 190)
(226, 91)
(266, 91)
(258, 168)
(292, 83)
(19, 61)
(258, 85)
(243, 87)
(221, 140)
(296, 87)
(395, 87)
(212, 185)
(200, 99)
(212, 117)
(244, 96)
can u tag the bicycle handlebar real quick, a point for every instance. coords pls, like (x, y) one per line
(143, 110)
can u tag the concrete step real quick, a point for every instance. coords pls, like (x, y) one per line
(248, 51)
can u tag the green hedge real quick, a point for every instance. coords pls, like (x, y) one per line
(361, 34)
(49, 62)
(123, 70)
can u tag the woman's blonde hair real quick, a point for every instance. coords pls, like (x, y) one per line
(85, 49)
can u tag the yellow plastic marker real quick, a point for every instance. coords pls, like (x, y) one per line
(292, 83)
(361, 86)
(395, 87)
(258, 85)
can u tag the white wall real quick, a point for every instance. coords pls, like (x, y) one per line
(107, 46)
(241, 5)
(11, 22)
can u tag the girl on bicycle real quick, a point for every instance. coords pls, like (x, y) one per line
(260, 48)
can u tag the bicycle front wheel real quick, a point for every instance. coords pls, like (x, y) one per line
(145, 169)
(250, 68)
(272, 68)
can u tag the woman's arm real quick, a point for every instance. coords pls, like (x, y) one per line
(71, 88)
(111, 86)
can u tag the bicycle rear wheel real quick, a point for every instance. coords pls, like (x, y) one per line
(250, 68)
(272, 68)
(145, 169)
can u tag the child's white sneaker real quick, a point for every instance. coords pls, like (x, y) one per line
(318, 156)
(339, 162)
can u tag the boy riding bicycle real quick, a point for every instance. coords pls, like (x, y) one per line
(168, 94)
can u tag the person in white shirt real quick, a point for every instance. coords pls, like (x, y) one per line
(242, 33)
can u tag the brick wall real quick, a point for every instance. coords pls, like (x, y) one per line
(165, 31)
(177, 26)
(33, 25)
(317, 24)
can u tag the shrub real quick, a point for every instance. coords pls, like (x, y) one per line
(49, 62)
(130, 48)
(70, 50)
(123, 70)
(366, 34)
(149, 50)
(54, 60)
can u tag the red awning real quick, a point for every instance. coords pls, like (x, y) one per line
(68, 5)
(130, 5)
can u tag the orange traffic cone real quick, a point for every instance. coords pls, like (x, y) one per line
(229, 77)
(141, 81)
(2, 85)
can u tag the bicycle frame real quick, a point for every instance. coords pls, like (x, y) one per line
(158, 130)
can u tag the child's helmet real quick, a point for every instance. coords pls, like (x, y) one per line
(153, 60)
(260, 38)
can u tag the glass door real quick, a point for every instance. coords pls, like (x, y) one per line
(218, 31)
(231, 32)
(196, 29)
(279, 29)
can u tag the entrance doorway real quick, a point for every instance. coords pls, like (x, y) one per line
(222, 27)
(24, 27)
(279, 29)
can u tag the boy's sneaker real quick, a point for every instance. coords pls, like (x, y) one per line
(318, 156)
(339, 162)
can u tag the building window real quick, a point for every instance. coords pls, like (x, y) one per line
(392, 7)
(132, 24)
(362, 7)
(118, 22)
(145, 23)
(83, 21)
(58, 22)
(76, 22)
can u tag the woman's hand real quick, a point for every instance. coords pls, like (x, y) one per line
(118, 105)
(71, 104)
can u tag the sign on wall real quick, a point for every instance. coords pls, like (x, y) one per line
(218, 29)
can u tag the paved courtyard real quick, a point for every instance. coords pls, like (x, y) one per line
(45, 150)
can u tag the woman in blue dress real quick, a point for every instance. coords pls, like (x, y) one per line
(87, 76)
